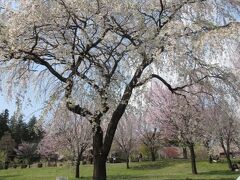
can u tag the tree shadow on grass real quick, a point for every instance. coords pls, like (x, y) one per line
(151, 165)
(223, 172)
(119, 177)
(5, 177)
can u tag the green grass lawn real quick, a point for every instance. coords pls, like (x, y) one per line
(177, 169)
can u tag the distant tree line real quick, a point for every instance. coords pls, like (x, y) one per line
(16, 132)
(20, 130)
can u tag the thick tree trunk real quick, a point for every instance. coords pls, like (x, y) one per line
(153, 155)
(193, 159)
(99, 169)
(185, 155)
(77, 172)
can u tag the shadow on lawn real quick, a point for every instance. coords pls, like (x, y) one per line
(224, 172)
(7, 176)
(149, 166)
(117, 177)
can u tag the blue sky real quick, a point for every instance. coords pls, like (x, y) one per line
(34, 109)
(5, 104)
(27, 109)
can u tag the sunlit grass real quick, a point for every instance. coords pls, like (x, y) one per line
(174, 169)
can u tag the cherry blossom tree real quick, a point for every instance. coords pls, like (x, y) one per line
(48, 148)
(107, 49)
(224, 126)
(181, 118)
(125, 136)
(72, 133)
(148, 130)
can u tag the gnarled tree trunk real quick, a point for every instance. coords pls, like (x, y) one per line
(99, 169)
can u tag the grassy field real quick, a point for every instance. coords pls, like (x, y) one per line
(178, 170)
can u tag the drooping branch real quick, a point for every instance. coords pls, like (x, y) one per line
(38, 60)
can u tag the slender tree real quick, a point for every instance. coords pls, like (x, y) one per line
(48, 148)
(224, 126)
(72, 133)
(27, 151)
(181, 117)
(126, 135)
(149, 133)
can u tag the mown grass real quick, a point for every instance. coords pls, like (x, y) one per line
(174, 170)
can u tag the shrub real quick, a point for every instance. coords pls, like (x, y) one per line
(40, 165)
(23, 166)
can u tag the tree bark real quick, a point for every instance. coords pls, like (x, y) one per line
(127, 161)
(210, 159)
(227, 154)
(99, 169)
(185, 155)
(29, 163)
(77, 173)
(193, 159)
(153, 155)
(6, 165)
(78, 160)
(230, 166)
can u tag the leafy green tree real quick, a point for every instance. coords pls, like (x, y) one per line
(3, 156)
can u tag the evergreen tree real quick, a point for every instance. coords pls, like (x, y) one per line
(19, 129)
(35, 132)
(4, 119)
(12, 123)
